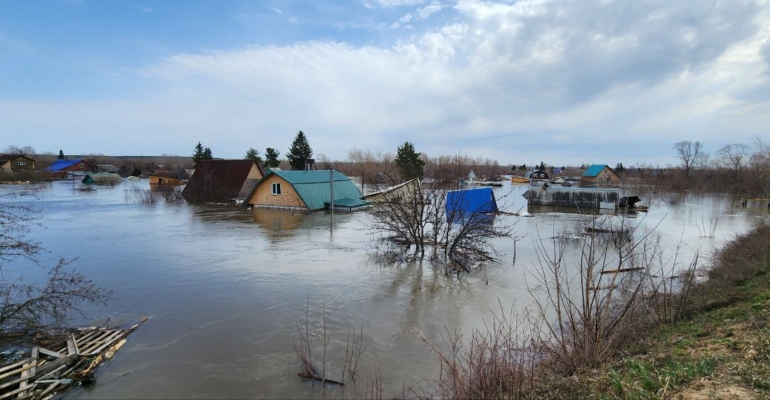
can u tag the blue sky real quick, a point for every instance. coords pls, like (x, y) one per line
(565, 82)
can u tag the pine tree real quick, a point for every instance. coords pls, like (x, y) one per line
(253, 154)
(299, 152)
(197, 155)
(271, 158)
(409, 162)
(61, 154)
(207, 154)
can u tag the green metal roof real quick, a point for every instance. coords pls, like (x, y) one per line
(594, 170)
(314, 189)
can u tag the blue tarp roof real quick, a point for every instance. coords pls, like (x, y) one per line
(471, 201)
(59, 165)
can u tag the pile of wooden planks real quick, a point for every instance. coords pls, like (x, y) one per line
(47, 371)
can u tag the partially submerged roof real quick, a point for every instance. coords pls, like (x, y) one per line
(347, 203)
(219, 180)
(314, 187)
(125, 171)
(107, 168)
(471, 201)
(392, 192)
(102, 178)
(59, 165)
(594, 170)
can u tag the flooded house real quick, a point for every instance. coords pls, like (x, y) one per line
(16, 163)
(222, 180)
(106, 168)
(305, 190)
(599, 174)
(77, 167)
(126, 171)
(168, 177)
(537, 177)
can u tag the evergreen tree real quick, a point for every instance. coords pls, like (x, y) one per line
(299, 152)
(619, 168)
(61, 154)
(207, 154)
(542, 166)
(253, 154)
(271, 158)
(197, 155)
(409, 162)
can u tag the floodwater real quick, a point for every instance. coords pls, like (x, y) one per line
(224, 288)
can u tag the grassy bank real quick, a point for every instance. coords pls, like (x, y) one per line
(713, 343)
(720, 349)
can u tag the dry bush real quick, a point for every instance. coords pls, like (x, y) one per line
(498, 361)
(590, 310)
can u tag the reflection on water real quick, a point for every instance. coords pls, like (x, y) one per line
(223, 287)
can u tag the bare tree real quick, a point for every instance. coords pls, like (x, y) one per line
(29, 308)
(734, 156)
(690, 153)
(417, 219)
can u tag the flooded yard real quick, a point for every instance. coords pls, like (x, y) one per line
(224, 287)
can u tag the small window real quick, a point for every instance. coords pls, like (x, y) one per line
(21, 163)
(276, 188)
(82, 165)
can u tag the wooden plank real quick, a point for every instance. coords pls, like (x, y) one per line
(8, 367)
(48, 390)
(95, 339)
(51, 353)
(9, 394)
(70, 346)
(88, 348)
(102, 345)
(107, 343)
(75, 344)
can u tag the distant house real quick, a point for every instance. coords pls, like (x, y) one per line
(599, 174)
(168, 177)
(305, 190)
(220, 180)
(125, 171)
(75, 167)
(16, 162)
(106, 168)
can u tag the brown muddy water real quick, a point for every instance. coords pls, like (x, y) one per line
(224, 287)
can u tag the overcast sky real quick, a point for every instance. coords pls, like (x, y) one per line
(564, 82)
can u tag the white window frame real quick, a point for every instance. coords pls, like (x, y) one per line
(21, 163)
(276, 189)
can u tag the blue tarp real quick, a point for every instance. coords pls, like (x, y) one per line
(470, 201)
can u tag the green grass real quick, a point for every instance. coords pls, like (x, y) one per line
(652, 380)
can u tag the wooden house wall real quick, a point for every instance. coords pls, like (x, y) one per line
(162, 180)
(251, 180)
(263, 196)
(13, 164)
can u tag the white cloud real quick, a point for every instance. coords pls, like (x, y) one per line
(503, 80)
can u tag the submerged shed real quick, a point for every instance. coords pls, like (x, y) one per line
(102, 178)
(588, 198)
(393, 193)
(221, 180)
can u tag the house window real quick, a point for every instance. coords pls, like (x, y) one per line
(276, 188)
(82, 165)
(21, 163)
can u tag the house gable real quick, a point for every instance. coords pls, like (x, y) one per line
(263, 196)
